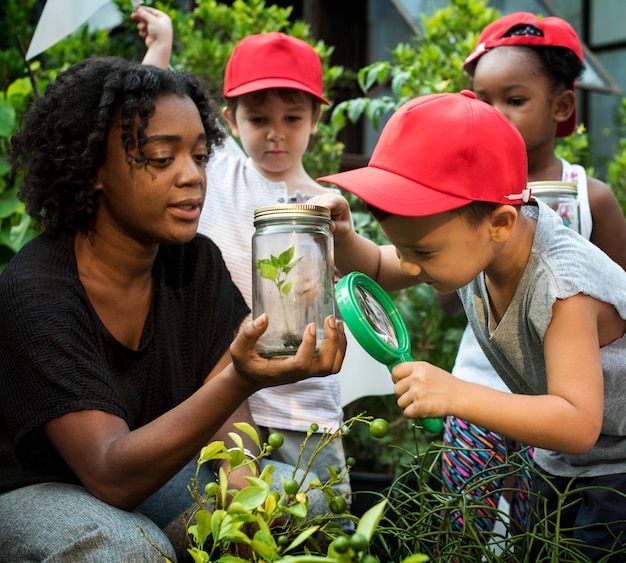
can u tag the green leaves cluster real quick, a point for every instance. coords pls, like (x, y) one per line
(431, 63)
(276, 269)
(259, 523)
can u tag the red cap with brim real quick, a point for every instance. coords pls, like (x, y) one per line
(438, 153)
(273, 60)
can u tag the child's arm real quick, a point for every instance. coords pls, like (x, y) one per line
(156, 28)
(609, 226)
(567, 419)
(355, 253)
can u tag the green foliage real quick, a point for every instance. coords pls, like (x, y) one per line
(420, 517)
(266, 522)
(432, 63)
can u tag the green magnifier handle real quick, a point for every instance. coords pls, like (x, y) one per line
(434, 425)
(376, 323)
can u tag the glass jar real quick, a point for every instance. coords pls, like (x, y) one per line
(560, 196)
(292, 274)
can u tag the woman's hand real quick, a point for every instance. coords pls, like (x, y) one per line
(268, 372)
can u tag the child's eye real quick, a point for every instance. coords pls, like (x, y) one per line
(293, 118)
(202, 158)
(517, 101)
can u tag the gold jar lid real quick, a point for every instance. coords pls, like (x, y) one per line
(292, 211)
(553, 186)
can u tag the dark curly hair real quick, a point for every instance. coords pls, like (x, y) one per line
(560, 64)
(61, 142)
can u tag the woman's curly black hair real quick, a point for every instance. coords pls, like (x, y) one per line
(61, 142)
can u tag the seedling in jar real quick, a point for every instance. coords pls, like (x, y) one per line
(276, 269)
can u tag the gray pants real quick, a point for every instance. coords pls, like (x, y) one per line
(62, 523)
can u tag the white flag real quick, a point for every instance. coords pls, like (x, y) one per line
(59, 18)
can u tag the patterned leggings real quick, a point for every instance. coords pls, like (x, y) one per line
(472, 455)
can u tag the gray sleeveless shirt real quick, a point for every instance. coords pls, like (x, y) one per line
(561, 264)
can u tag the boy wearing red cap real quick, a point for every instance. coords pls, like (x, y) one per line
(460, 217)
(525, 67)
(273, 89)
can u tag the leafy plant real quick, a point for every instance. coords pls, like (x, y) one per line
(276, 269)
(422, 517)
(267, 522)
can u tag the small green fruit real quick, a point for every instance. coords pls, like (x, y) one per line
(337, 505)
(291, 486)
(210, 489)
(341, 544)
(379, 428)
(358, 542)
(275, 439)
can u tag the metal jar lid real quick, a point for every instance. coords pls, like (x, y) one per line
(553, 187)
(292, 211)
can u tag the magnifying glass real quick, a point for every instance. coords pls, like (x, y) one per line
(375, 322)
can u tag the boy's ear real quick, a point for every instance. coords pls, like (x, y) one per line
(230, 119)
(503, 221)
(564, 105)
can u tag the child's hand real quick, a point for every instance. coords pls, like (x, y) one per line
(268, 372)
(341, 225)
(156, 28)
(423, 390)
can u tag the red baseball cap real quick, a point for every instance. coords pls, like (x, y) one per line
(553, 32)
(440, 152)
(273, 60)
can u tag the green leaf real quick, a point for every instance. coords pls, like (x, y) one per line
(268, 271)
(264, 550)
(251, 497)
(236, 438)
(214, 450)
(302, 537)
(249, 431)
(198, 555)
(202, 528)
(291, 265)
(228, 558)
(9, 203)
(216, 522)
(356, 108)
(299, 510)
(286, 256)
(417, 558)
(375, 73)
(7, 119)
(308, 559)
(287, 288)
(369, 521)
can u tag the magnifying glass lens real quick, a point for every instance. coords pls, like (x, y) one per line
(377, 317)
